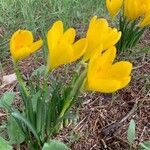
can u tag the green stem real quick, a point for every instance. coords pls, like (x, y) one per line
(18, 75)
(27, 101)
(74, 91)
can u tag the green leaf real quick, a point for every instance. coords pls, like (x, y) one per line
(7, 99)
(35, 99)
(145, 145)
(4, 145)
(131, 132)
(39, 114)
(39, 71)
(15, 133)
(21, 118)
(55, 145)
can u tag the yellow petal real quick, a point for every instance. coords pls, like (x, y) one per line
(103, 85)
(112, 38)
(20, 39)
(113, 6)
(124, 82)
(79, 48)
(94, 63)
(100, 64)
(60, 55)
(35, 46)
(65, 53)
(96, 31)
(98, 28)
(20, 53)
(127, 9)
(54, 34)
(121, 69)
(69, 35)
(92, 21)
(107, 58)
(138, 9)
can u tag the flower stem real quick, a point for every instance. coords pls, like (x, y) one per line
(19, 78)
(74, 91)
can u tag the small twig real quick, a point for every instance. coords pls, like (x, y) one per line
(92, 146)
(140, 139)
(104, 143)
(2, 114)
(138, 67)
(76, 127)
(120, 139)
(134, 108)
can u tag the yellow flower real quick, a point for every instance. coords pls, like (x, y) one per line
(99, 34)
(113, 6)
(22, 45)
(62, 48)
(147, 5)
(134, 9)
(104, 76)
(146, 20)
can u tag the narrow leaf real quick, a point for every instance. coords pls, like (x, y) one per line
(35, 99)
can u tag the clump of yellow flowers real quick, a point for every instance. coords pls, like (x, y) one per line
(97, 49)
(46, 107)
(134, 18)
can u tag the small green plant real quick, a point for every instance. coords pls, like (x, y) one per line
(131, 136)
(134, 18)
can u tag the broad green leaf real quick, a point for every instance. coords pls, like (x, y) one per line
(22, 119)
(4, 145)
(15, 133)
(7, 99)
(39, 71)
(145, 145)
(55, 145)
(131, 132)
